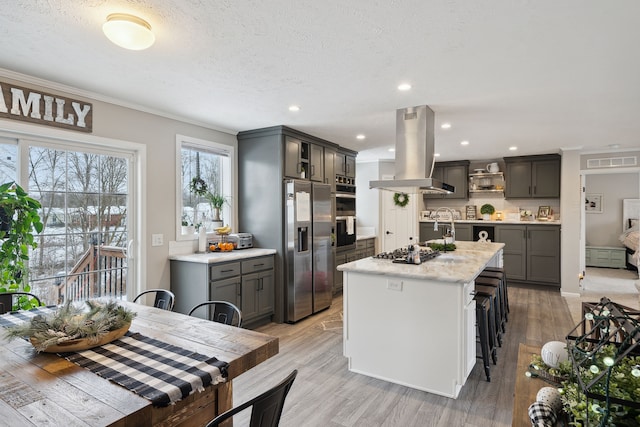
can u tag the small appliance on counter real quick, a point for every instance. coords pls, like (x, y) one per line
(242, 240)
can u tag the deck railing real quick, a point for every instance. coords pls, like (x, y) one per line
(100, 272)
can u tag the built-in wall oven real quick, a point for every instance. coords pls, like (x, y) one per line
(345, 213)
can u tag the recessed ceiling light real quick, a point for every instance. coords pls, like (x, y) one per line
(513, 148)
(128, 31)
(404, 86)
(360, 136)
(464, 142)
(436, 154)
(614, 145)
(392, 150)
(294, 108)
(446, 126)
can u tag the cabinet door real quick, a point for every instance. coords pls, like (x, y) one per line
(341, 258)
(266, 293)
(226, 290)
(428, 233)
(458, 176)
(350, 166)
(340, 164)
(545, 178)
(543, 254)
(316, 160)
(518, 180)
(330, 168)
(515, 250)
(249, 303)
(292, 149)
(464, 232)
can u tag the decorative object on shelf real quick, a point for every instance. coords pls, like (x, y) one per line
(493, 167)
(187, 225)
(216, 201)
(544, 212)
(554, 352)
(498, 216)
(526, 215)
(471, 212)
(72, 327)
(401, 199)
(20, 220)
(487, 210)
(593, 203)
(550, 396)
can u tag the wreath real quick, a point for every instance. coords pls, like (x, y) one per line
(401, 199)
(198, 186)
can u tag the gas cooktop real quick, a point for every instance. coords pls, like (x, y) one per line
(400, 255)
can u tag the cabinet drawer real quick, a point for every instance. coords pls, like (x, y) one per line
(361, 244)
(257, 264)
(223, 271)
(371, 243)
(617, 256)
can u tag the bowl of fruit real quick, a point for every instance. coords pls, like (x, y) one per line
(221, 247)
(223, 231)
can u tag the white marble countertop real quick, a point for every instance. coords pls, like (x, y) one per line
(494, 222)
(213, 257)
(460, 266)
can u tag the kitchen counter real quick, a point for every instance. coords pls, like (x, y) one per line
(494, 222)
(365, 236)
(214, 257)
(459, 266)
(414, 325)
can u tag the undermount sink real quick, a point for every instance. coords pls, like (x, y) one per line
(450, 257)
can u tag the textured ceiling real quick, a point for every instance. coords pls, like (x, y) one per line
(542, 75)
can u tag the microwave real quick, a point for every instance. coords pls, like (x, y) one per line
(345, 204)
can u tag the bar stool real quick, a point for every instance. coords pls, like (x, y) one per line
(482, 325)
(488, 288)
(502, 288)
(504, 280)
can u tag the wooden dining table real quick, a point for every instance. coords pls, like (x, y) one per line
(46, 389)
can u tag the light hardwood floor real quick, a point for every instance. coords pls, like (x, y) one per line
(325, 393)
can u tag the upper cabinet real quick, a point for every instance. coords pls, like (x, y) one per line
(345, 164)
(330, 167)
(452, 173)
(303, 159)
(533, 176)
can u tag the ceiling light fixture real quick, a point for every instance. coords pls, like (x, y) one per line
(436, 154)
(446, 126)
(391, 150)
(128, 31)
(360, 136)
(513, 148)
(404, 86)
(294, 108)
(464, 143)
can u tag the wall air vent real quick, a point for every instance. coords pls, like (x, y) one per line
(612, 162)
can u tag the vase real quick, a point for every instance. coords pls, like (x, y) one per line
(188, 230)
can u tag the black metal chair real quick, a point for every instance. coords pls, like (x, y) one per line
(221, 312)
(7, 300)
(266, 408)
(163, 299)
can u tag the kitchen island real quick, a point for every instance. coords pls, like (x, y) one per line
(414, 325)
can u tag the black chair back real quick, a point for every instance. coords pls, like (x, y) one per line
(266, 408)
(221, 312)
(7, 298)
(163, 299)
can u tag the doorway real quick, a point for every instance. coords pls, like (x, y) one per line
(399, 223)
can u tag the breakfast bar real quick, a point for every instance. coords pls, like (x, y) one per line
(38, 388)
(414, 324)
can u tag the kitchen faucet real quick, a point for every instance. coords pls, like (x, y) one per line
(434, 215)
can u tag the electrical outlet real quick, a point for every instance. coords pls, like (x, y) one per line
(394, 285)
(157, 239)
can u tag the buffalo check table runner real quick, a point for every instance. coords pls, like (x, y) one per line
(160, 372)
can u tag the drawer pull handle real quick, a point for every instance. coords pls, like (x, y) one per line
(226, 271)
(258, 265)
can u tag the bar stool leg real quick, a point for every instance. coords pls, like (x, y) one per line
(483, 333)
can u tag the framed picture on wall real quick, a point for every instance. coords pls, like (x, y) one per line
(593, 203)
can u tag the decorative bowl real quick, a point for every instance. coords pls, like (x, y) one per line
(84, 343)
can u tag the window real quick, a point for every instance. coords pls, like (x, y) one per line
(205, 189)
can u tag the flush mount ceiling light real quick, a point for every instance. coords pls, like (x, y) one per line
(294, 108)
(404, 86)
(446, 126)
(128, 31)
(360, 136)
(464, 143)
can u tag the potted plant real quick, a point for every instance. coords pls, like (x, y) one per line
(487, 210)
(20, 218)
(216, 201)
(187, 225)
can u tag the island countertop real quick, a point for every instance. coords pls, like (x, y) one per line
(460, 266)
(214, 257)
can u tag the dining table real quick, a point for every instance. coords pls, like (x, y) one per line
(47, 389)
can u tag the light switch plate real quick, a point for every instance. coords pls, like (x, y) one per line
(157, 239)
(394, 285)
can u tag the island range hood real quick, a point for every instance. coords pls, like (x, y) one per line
(415, 144)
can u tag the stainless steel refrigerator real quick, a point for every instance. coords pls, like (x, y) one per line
(308, 260)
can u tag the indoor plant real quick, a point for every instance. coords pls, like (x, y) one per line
(20, 218)
(487, 210)
(216, 201)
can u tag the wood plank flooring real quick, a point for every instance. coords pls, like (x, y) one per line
(325, 393)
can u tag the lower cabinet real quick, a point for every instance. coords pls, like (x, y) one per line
(463, 231)
(531, 253)
(249, 284)
(364, 248)
(605, 256)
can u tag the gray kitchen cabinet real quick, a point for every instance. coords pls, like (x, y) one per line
(303, 159)
(531, 253)
(463, 231)
(316, 172)
(341, 258)
(364, 248)
(330, 167)
(452, 173)
(345, 164)
(532, 176)
(249, 284)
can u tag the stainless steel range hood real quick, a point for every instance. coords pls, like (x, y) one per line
(414, 154)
